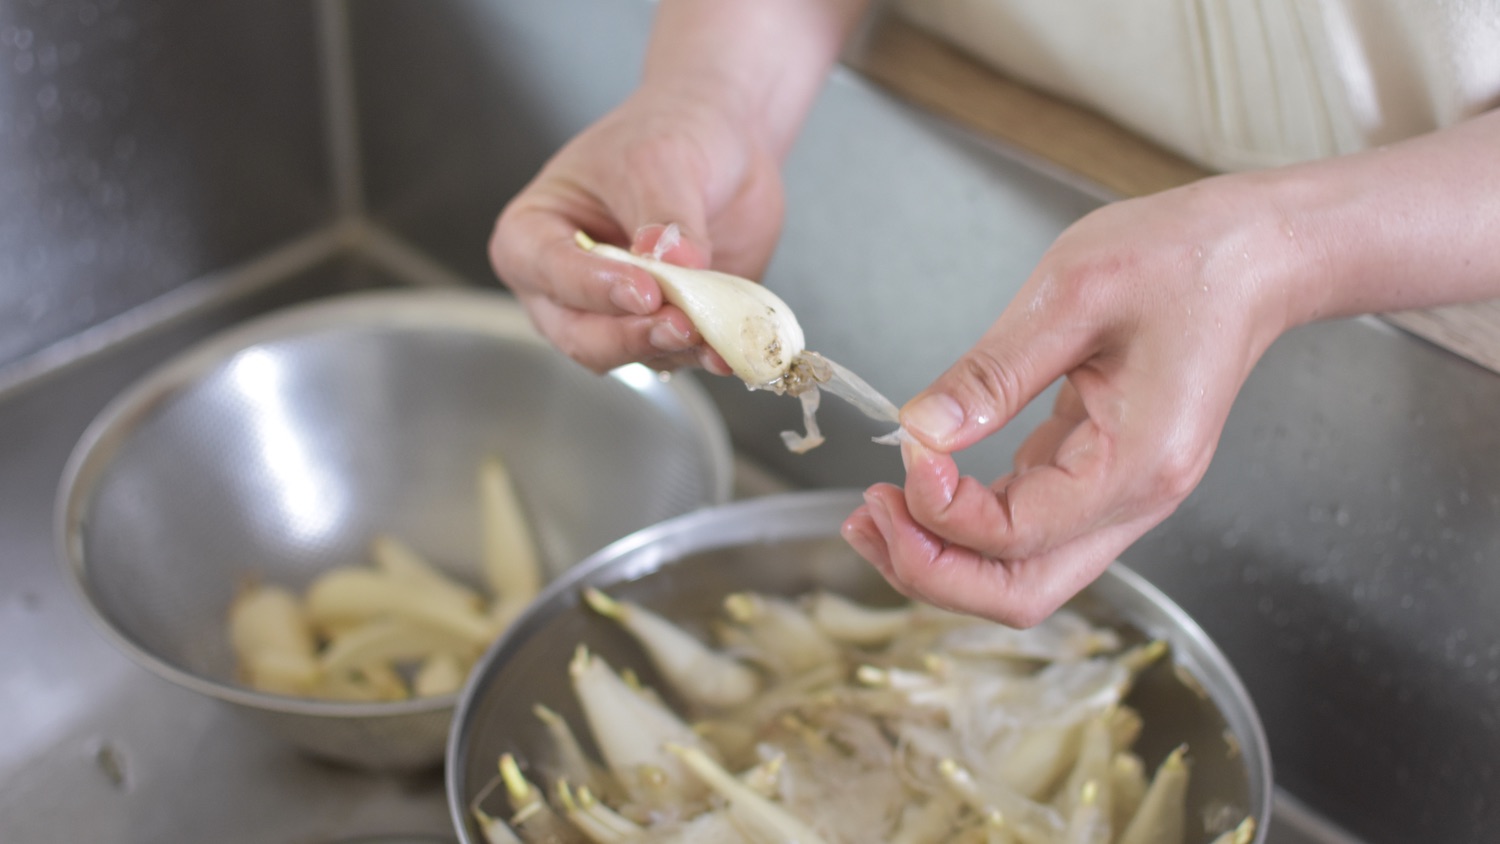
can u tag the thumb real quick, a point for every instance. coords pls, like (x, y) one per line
(1016, 359)
(667, 242)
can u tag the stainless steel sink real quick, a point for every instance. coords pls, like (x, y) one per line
(1344, 549)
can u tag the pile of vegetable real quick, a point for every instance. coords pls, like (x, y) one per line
(395, 628)
(823, 720)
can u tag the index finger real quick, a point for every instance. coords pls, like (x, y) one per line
(1020, 592)
(1025, 513)
(533, 252)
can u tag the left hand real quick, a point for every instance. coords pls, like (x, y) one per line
(1154, 310)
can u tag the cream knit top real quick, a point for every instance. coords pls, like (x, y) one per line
(1241, 84)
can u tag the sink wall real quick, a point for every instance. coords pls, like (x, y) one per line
(143, 144)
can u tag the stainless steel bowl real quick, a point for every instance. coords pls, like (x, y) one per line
(278, 449)
(789, 544)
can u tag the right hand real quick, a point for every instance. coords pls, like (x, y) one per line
(660, 157)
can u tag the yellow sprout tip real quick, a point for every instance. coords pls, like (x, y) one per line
(515, 782)
(584, 240)
(653, 775)
(741, 606)
(870, 675)
(580, 660)
(1146, 654)
(602, 603)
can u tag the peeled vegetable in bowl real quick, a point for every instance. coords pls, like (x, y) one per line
(397, 628)
(771, 687)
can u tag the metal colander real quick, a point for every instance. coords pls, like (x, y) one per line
(279, 449)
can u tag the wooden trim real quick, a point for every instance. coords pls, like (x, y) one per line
(928, 72)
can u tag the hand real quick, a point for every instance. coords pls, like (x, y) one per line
(663, 156)
(1154, 311)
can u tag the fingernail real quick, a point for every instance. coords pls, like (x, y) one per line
(878, 513)
(628, 299)
(935, 419)
(669, 338)
(856, 536)
(912, 451)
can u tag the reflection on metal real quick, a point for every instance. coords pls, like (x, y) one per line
(309, 496)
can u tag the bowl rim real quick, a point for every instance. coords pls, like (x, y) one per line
(456, 309)
(808, 514)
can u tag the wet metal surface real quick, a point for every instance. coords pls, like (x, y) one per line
(1343, 550)
(144, 144)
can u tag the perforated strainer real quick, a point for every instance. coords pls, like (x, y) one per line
(280, 448)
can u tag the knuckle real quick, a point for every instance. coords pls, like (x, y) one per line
(1022, 615)
(667, 151)
(986, 381)
(499, 251)
(1028, 538)
(508, 252)
(570, 343)
(1177, 473)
